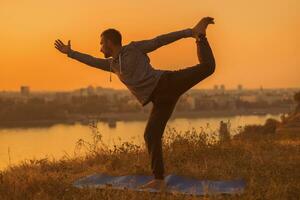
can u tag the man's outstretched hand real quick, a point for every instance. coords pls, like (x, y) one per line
(62, 47)
(201, 26)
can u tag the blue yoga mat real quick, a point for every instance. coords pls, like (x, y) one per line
(175, 184)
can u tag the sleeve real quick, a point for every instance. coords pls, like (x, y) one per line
(152, 44)
(204, 51)
(99, 63)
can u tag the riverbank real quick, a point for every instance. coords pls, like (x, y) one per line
(267, 162)
(135, 116)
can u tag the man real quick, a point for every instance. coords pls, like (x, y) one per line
(162, 87)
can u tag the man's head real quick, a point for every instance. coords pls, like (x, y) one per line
(110, 39)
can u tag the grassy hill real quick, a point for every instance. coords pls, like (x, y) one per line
(268, 162)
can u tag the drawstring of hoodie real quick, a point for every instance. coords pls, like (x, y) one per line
(120, 65)
(110, 70)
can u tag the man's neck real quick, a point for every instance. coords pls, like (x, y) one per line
(116, 52)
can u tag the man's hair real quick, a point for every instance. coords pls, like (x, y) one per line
(113, 35)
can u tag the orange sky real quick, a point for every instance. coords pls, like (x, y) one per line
(254, 42)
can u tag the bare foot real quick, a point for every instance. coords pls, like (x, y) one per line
(158, 184)
(201, 26)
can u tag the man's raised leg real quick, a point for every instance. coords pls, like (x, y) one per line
(184, 79)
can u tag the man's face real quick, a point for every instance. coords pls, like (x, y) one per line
(106, 47)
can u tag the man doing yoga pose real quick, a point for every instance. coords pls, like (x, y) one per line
(163, 88)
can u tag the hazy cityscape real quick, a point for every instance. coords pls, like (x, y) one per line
(27, 107)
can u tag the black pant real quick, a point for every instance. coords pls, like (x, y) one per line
(170, 87)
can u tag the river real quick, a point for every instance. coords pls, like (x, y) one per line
(17, 144)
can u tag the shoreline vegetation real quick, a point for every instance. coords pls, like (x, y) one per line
(268, 162)
(133, 116)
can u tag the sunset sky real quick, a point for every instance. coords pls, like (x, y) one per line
(255, 43)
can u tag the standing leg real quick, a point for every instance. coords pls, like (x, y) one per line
(159, 116)
(184, 79)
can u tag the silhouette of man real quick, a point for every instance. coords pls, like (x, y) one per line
(163, 88)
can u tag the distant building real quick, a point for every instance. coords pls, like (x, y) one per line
(83, 92)
(191, 103)
(270, 98)
(240, 87)
(248, 98)
(222, 87)
(24, 90)
(62, 96)
(216, 87)
(261, 88)
(90, 90)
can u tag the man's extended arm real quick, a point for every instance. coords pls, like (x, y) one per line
(152, 44)
(204, 51)
(99, 63)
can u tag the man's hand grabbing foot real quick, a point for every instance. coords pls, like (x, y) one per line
(201, 26)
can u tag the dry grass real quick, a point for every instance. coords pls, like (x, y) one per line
(268, 162)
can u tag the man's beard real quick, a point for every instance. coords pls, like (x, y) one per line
(107, 55)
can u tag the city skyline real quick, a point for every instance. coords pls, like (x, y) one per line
(214, 87)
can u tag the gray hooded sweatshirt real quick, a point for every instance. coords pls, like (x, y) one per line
(132, 65)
